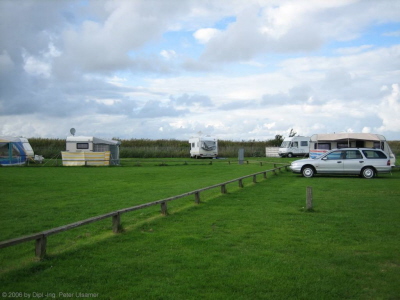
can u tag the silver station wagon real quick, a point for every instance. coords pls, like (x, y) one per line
(365, 162)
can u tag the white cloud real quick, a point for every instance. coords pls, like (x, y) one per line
(35, 66)
(40, 65)
(389, 110)
(366, 130)
(204, 35)
(117, 81)
(168, 54)
(237, 69)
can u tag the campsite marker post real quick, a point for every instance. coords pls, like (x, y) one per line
(309, 201)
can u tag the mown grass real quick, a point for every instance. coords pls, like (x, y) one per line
(51, 197)
(252, 243)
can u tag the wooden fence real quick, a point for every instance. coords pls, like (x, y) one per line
(41, 237)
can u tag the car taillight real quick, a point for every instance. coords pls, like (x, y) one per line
(388, 163)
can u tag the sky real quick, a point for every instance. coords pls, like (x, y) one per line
(233, 69)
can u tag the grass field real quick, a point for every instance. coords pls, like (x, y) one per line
(251, 243)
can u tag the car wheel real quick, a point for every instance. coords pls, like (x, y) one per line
(308, 171)
(368, 172)
(290, 155)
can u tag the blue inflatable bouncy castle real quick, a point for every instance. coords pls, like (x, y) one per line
(14, 151)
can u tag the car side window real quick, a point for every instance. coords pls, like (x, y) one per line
(353, 154)
(334, 155)
(372, 154)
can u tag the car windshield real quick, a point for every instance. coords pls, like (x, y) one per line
(285, 144)
(209, 145)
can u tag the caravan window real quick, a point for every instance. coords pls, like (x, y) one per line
(82, 145)
(377, 145)
(343, 145)
(304, 143)
(324, 146)
(4, 149)
(101, 147)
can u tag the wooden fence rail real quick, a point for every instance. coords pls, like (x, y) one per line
(41, 237)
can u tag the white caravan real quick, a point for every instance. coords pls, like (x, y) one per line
(85, 148)
(321, 143)
(203, 147)
(295, 146)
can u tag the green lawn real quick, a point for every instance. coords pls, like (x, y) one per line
(252, 243)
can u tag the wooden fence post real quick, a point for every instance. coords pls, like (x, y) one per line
(197, 197)
(265, 175)
(309, 202)
(116, 223)
(164, 210)
(254, 179)
(223, 189)
(40, 247)
(240, 183)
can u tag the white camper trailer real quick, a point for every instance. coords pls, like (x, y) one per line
(295, 146)
(203, 147)
(321, 143)
(88, 150)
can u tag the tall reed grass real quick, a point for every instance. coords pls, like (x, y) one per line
(146, 148)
